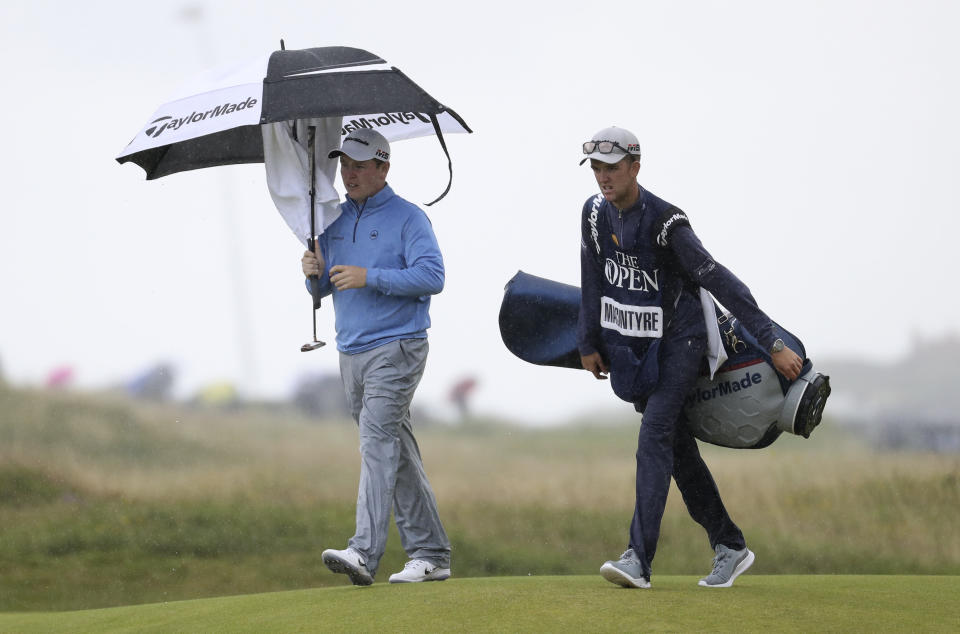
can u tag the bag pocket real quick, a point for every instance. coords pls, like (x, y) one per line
(633, 378)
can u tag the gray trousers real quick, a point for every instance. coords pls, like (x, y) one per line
(379, 384)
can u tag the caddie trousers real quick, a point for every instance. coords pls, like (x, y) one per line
(379, 384)
(666, 447)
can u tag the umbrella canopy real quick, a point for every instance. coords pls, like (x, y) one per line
(216, 119)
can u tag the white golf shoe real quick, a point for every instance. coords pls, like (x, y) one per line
(349, 562)
(417, 570)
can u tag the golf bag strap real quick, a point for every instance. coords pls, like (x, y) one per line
(443, 144)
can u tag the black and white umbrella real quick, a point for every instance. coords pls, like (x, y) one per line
(215, 119)
(287, 109)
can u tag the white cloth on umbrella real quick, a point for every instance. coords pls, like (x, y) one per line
(288, 172)
(716, 354)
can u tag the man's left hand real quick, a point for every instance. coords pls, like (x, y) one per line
(344, 276)
(788, 363)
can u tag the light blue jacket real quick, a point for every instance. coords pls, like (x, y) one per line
(393, 239)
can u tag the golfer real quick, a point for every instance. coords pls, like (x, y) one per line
(641, 321)
(381, 262)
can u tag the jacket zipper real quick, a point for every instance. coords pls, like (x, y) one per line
(357, 221)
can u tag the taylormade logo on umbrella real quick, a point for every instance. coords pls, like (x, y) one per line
(200, 115)
(399, 125)
(174, 123)
(386, 119)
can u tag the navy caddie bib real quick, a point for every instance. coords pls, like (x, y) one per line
(640, 288)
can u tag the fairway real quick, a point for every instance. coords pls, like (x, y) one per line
(106, 502)
(782, 603)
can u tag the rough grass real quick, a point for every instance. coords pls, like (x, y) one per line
(106, 502)
(756, 603)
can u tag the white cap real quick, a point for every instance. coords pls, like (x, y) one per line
(626, 143)
(362, 145)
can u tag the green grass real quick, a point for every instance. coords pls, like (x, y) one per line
(757, 603)
(107, 502)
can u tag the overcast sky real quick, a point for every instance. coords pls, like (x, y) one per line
(815, 147)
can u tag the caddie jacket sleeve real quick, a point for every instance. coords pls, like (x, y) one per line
(588, 323)
(725, 286)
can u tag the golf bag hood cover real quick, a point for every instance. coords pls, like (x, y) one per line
(746, 405)
(538, 321)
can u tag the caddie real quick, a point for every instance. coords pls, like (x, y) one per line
(641, 322)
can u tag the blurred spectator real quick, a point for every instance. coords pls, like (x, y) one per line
(60, 378)
(460, 394)
(154, 384)
(222, 394)
(321, 395)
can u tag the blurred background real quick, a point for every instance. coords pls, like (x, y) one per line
(813, 147)
(161, 427)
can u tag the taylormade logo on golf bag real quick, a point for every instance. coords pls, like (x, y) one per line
(387, 118)
(727, 387)
(174, 123)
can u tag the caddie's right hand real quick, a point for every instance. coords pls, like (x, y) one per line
(312, 263)
(594, 364)
(788, 363)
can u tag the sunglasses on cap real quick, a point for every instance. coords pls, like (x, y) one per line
(603, 147)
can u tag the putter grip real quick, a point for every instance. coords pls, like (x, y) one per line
(315, 291)
(314, 281)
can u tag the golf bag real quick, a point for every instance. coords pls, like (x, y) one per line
(746, 405)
